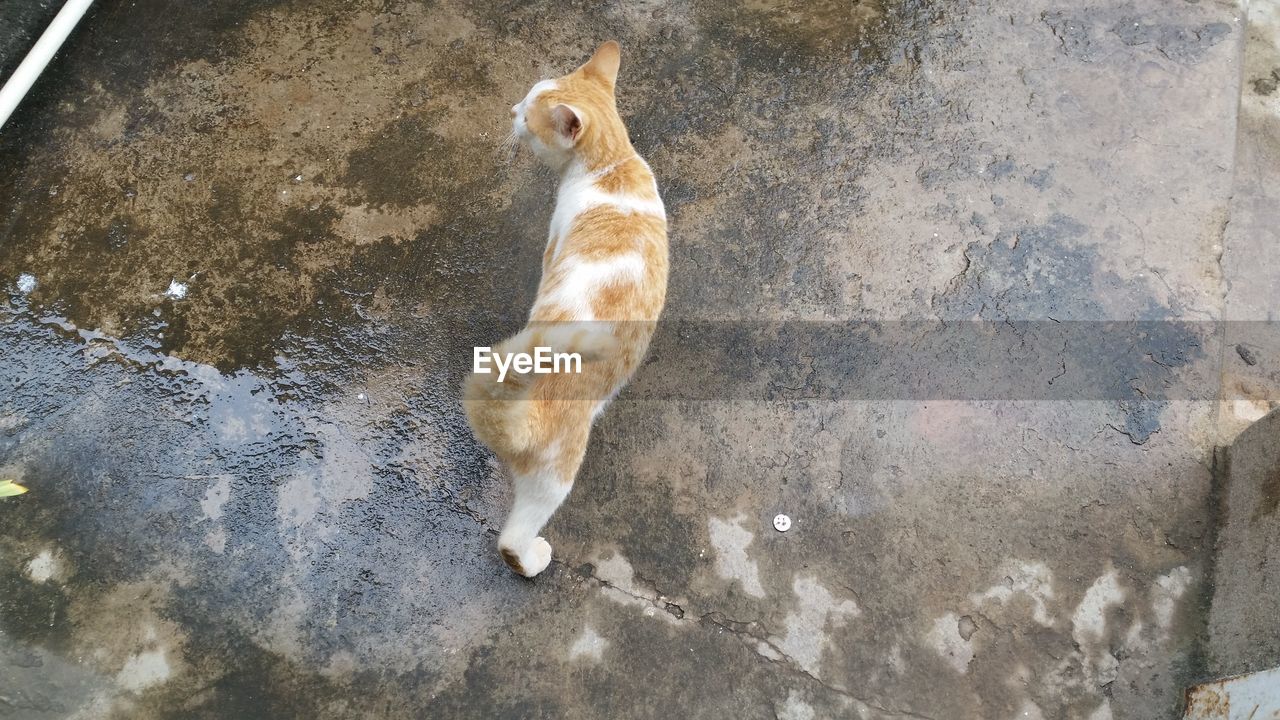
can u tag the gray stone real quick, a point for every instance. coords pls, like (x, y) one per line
(1244, 635)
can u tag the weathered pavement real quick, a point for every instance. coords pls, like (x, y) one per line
(260, 500)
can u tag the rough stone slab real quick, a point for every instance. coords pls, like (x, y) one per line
(1244, 634)
(1251, 238)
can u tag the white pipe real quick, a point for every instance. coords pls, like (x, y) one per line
(35, 61)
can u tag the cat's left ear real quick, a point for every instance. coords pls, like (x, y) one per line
(604, 64)
(568, 124)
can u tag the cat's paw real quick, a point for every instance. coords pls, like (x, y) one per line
(532, 561)
(538, 557)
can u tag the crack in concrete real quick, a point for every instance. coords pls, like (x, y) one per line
(956, 280)
(658, 602)
(1130, 434)
(794, 669)
(742, 629)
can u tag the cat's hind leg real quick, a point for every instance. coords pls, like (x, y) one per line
(537, 494)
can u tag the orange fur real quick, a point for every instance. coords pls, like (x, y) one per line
(604, 274)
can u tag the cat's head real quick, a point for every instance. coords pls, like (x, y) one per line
(559, 117)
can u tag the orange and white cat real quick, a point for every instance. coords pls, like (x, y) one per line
(604, 281)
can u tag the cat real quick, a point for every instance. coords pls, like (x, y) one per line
(603, 286)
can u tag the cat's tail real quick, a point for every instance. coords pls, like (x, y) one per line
(501, 413)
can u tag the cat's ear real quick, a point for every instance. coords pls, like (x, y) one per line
(567, 122)
(604, 64)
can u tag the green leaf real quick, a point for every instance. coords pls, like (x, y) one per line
(9, 488)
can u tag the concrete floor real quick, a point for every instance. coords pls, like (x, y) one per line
(261, 501)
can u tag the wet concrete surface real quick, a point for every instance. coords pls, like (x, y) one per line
(20, 26)
(261, 500)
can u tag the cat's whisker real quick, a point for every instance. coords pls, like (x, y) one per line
(509, 146)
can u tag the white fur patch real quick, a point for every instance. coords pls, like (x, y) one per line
(522, 127)
(583, 279)
(578, 194)
(540, 87)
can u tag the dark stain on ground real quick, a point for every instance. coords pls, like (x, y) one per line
(409, 162)
(35, 614)
(20, 25)
(122, 62)
(1270, 494)
(670, 539)
(690, 690)
(485, 690)
(1247, 355)
(235, 322)
(1073, 34)
(1185, 45)
(1266, 85)
(117, 499)
(1051, 270)
(786, 33)
(1024, 273)
(1196, 667)
(1084, 36)
(258, 685)
(283, 279)
(308, 224)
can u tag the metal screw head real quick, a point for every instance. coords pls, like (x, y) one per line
(781, 522)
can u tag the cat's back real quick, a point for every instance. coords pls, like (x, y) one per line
(607, 254)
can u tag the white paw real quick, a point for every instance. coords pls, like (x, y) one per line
(539, 557)
(532, 561)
